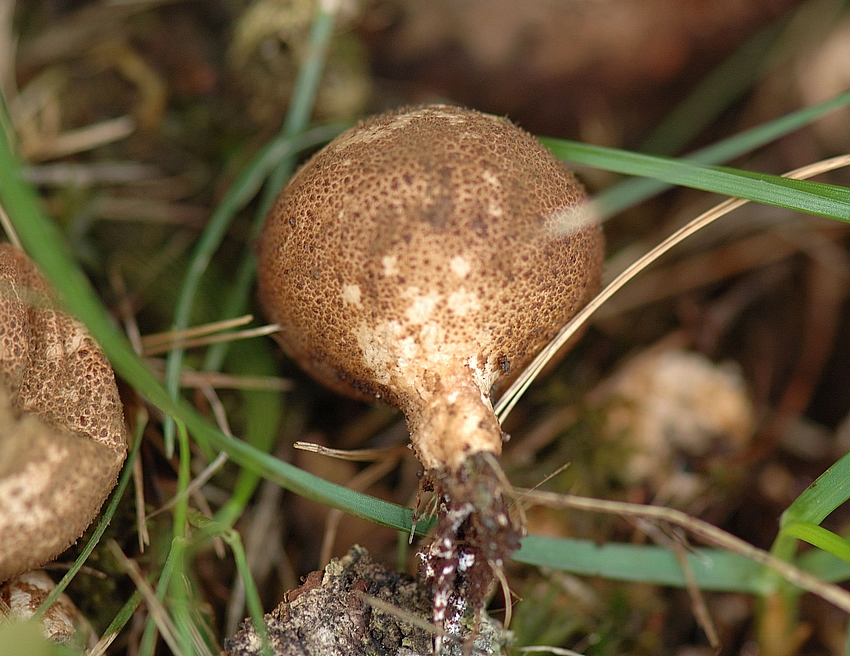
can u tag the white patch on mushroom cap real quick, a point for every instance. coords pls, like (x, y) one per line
(351, 294)
(494, 208)
(25, 492)
(390, 264)
(379, 346)
(370, 133)
(462, 302)
(460, 266)
(571, 220)
(422, 304)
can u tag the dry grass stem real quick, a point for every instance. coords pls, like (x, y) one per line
(542, 649)
(65, 174)
(8, 47)
(9, 229)
(158, 613)
(354, 455)
(148, 210)
(217, 408)
(510, 398)
(506, 594)
(199, 481)
(211, 339)
(414, 620)
(754, 251)
(217, 380)
(81, 139)
(678, 545)
(139, 497)
(125, 309)
(172, 337)
(103, 644)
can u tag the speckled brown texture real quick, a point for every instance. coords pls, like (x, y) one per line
(424, 245)
(62, 436)
(424, 257)
(62, 623)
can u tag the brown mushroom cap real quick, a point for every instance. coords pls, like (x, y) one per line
(425, 248)
(62, 435)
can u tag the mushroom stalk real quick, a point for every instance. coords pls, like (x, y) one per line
(456, 422)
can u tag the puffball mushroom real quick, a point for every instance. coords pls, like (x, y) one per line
(62, 436)
(423, 258)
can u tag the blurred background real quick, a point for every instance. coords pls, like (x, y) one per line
(716, 383)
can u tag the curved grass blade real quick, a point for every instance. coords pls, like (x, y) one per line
(714, 569)
(824, 565)
(821, 538)
(241, 192)
(297, 118)
(804, 196)
(825, 494)
(630, 192)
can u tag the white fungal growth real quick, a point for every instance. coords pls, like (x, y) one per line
(422, 304)
(390, 264)
(460, 266)
(351, 294)
(462, 302)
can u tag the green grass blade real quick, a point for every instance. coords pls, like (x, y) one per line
(123, 616)
(240, 193)
(263, 412)
(252, 595)
(630, 192)
(713, 569)
(304, 93)
(824, 565)
(830, 490)
(821, 538)
(803, 196)
(297, 118)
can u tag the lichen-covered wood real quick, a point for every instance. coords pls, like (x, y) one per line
(329, 616)
(62, 435)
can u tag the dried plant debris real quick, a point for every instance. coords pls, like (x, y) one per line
(62, 435)
(62, 623)
(671, 405)
(356, 606)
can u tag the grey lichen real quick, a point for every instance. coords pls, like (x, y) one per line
(333, 614)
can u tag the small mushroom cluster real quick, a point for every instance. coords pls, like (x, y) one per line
(62, 435)
(423, 258)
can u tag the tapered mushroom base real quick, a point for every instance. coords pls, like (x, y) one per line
(477, 531)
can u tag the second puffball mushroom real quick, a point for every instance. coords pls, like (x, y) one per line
(62, 436)
(423, 258)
